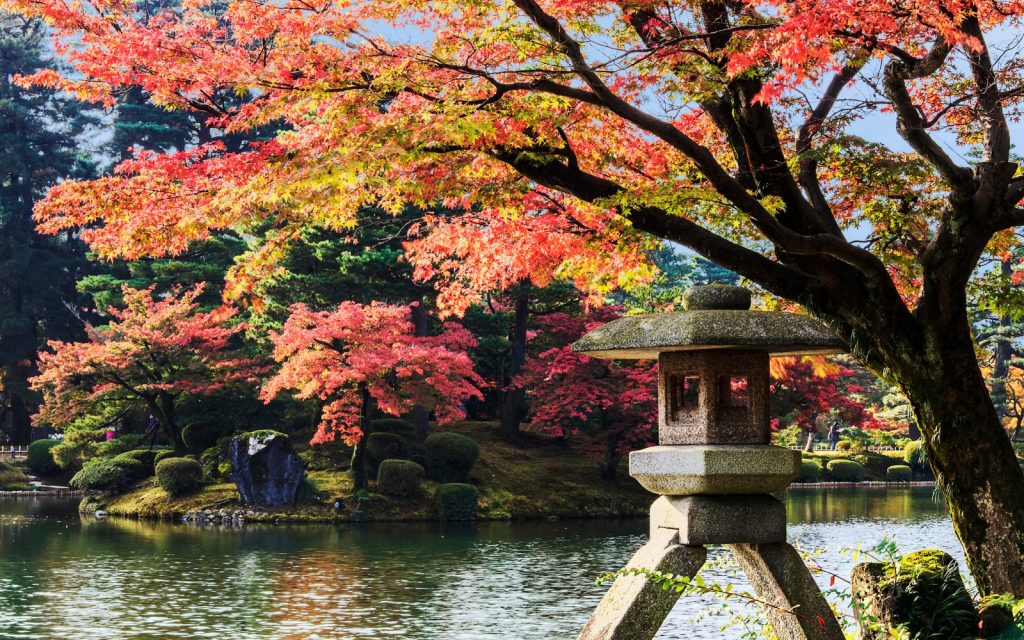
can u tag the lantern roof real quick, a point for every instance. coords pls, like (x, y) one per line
(715, 317)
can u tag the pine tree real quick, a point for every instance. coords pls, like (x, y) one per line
(40, 132)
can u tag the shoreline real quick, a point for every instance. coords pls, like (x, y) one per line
(229, 513)
(862, 483)
(46, 493)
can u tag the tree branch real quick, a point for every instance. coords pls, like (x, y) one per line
(993, 120)
(910, 123)
(808, 171)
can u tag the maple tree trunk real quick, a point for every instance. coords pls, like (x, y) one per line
(513, 399)
(968, 448)
(419, 416)
(809, 445)
(163, 410)
(360, 480)
(610, 458)
(974, 464)
(21, 422)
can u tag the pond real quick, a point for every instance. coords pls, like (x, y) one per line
(66, 577)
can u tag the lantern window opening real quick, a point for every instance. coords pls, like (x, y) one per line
(684, 394)
(734, 391)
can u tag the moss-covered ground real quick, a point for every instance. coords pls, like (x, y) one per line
(535, 478)
(12, 478)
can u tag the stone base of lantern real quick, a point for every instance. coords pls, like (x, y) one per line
(714, 469)
(753, 528)
(720, 519)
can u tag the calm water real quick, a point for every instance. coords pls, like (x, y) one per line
(64, 577)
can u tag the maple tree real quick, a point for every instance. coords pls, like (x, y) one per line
(153, 353)
(613, 404)
(359, 358)
(576, 134)
(804, 388)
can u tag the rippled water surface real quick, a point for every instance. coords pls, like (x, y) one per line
(66, 577)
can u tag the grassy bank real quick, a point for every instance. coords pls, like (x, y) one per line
(12, 478)
(537, 478)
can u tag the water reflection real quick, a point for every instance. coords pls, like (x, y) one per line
(62, 577)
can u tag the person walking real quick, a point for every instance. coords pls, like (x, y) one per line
(833, 433)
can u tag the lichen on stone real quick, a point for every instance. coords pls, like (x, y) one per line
(716, 296)
(645, 336)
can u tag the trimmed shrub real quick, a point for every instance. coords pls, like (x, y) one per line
(397, 426)
(40, 459)
(383, 446)
(845, 471)
(110, 448)
(106, 476)
(178, 476)
(136, 470)
(163, 455)
(450, 457)
(915, 455)
(899, 473)
(399, 478)
(456, 501)
(215, 462)
(11, 478)
(810, 471)
(145, 456)
(844, 445)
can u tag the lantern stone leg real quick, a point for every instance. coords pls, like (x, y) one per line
(714, 468)
(780, 577)
(634, 607)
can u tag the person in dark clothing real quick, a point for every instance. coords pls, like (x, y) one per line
(833, 433)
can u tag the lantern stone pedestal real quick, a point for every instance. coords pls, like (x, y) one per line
(714, 469)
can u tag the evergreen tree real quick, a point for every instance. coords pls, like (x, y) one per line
(40, 131)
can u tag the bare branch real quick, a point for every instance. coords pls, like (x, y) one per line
(993, 120)
(909, 122)
(808, 172)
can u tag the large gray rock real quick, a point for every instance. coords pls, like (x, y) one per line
(921, 593)
(265, 469)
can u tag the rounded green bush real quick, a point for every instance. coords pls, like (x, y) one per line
(163, 455)
(145, 456)
(810, 471)
(399, 478)
(383, 446)
(450, 457)
(915, 455)
(397, 426)
(178, 476)
(107, 476)
(40, 459)
(845, 471)
(456, 501)
(899, 473)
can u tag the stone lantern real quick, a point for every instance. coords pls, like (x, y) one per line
(714, 468)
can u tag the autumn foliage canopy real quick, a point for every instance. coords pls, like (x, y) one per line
(154, 348)
(356, 353)
(574, 394)
(388, 102)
